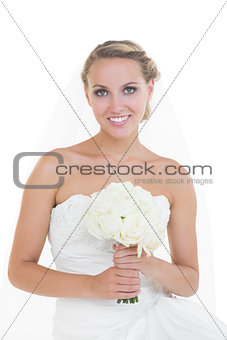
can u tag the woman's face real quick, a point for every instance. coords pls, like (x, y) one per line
(116, 87)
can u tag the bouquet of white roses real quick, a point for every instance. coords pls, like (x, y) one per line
(115, 215)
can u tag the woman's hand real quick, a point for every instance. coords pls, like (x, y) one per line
(126, 258)
(116, 283)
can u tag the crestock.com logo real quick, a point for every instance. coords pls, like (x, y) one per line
(16, 176)
(137, 169)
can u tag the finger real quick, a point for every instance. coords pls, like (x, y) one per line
(119, 295)
(127, 259)
(127, 272)
(121, 246)
(127, 288)
(128, 280)
(125, 252)
(134, 265)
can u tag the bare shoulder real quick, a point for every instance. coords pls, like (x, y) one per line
(45, 173)
(45, 168)
(175, 177)
(180, 182)
(162, 165)
(76, 151)
(172, 167)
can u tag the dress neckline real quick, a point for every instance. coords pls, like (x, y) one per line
(89, 196)
(69, 198)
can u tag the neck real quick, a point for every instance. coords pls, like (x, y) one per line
(114, 148)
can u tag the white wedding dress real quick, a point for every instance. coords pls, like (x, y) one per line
(158, 315)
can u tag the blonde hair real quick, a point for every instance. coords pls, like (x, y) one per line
(123, 49)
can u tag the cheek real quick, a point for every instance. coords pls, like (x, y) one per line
(99, 105)
(136, 103)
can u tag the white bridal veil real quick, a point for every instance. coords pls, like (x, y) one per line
(24, 315)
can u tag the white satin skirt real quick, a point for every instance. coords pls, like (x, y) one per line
(156, 316)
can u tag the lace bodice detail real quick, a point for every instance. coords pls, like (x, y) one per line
(67, 223)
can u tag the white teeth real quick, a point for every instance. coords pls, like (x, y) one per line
(118, 119)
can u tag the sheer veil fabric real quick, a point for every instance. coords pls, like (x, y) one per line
(71, 122)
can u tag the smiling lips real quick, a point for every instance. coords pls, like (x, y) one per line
(120, 120)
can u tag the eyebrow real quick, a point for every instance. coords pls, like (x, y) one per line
(131, 82)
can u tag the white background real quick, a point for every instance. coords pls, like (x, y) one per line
(64, 32)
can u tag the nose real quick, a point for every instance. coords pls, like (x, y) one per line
(116, 104)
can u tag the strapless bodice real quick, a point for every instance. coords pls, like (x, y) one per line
(77, 251)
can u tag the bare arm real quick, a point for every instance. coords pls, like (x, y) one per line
(24, 272)
(178, 279)
(40, 280)
(182, 276)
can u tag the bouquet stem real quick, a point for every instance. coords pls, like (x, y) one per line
(132, 300)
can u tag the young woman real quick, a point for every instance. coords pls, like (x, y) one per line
(91, 274)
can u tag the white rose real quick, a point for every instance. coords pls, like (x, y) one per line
(132, 230)
(111, 225)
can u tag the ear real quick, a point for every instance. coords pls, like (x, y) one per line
(86, 94)
(150, 89)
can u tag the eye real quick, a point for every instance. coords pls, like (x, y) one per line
(131, 89)
(98, 91)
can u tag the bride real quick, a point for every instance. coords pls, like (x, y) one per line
(118, 79)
